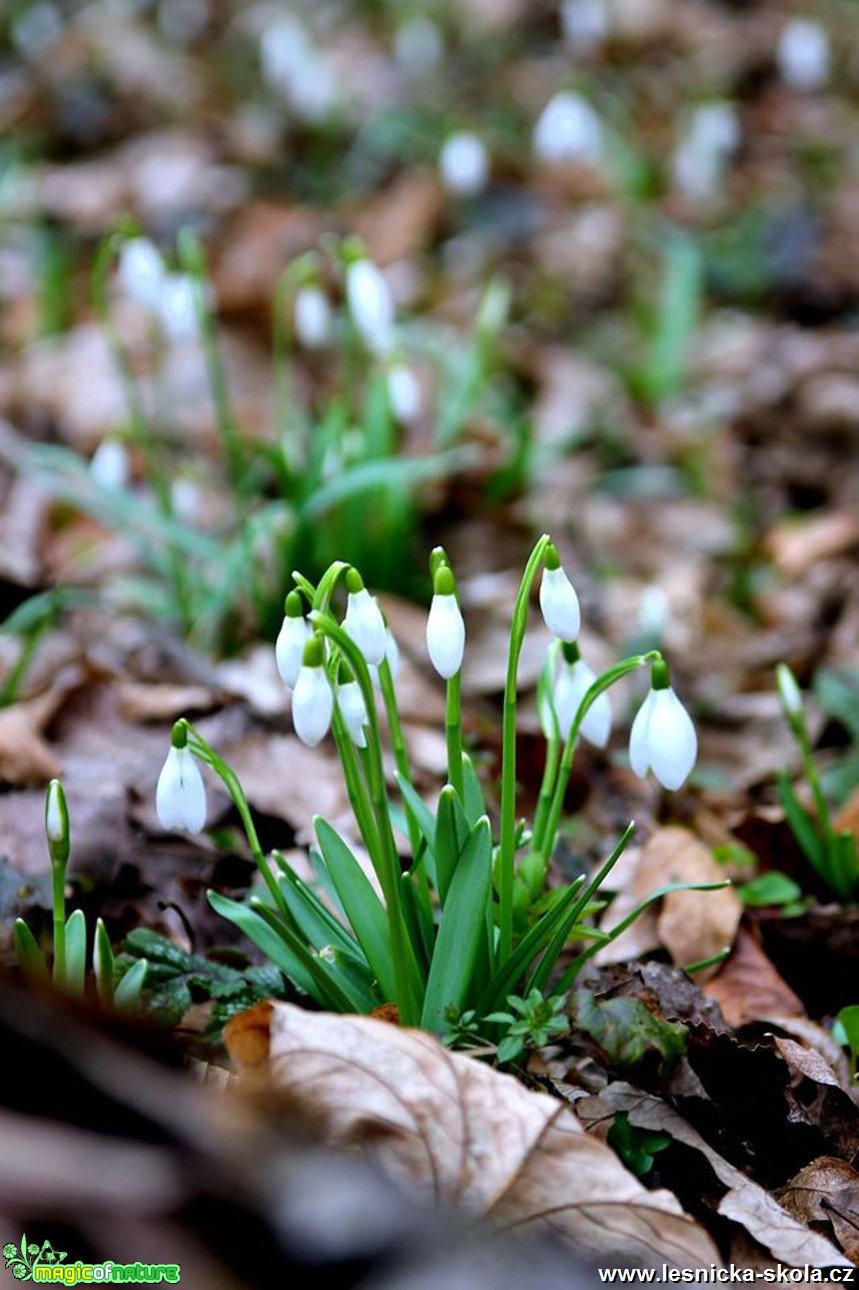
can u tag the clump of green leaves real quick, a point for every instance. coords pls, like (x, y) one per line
(464, 925)
(175, 979)
(532, 1022)
(636, 1147)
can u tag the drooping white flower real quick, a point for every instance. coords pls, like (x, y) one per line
(445, 626)
(110, 465)
(558, 600)
(662, 738)
(177, 306)
(370, 304)
(353, 710)
(713, 134)
(364, 621)
(802, 55)
(571, 685)
(141, 272)
(294, 634)
(180, 796)
(312, 317)
(392, 655)
(464, 164)
(312, 698)
(404, 393)
(568, 129)
(584, 24)
(295, 67)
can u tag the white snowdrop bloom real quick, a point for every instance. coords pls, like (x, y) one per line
(186, 498)
(404, 393)
(392, 655)
(364, 621)
(788, 691)
(418, 45)
(584, 24)
(110, 465)
(141, 272)
(296, 69)
(802, 55)
(294, 634)
(180, 797)
(312, 698)
(353, 710)
(571, 685)
(177, 306)
(568, 129)
(56, 813)
(699, 163)
(559, 604)
(445, 628)
(312, 314)
(370, 304)
(663, 739)
(464, 164)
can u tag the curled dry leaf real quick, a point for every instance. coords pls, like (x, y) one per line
(827, 1190)
(744, 1202)
(692, 925)
(473, 1137)
(748, 986)
(25, 756)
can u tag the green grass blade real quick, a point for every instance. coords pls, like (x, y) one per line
(364, 910)
(473, 799)
(802, 826)
(512, 970)
(75, 982)
(102, 963)
(30, 958)
(451, 835)
(463, 926)
(127, 993)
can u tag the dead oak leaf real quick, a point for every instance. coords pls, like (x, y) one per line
(827, 1190)
(468, 1134)
(744, 1202)
(692, 925)
(749, 987)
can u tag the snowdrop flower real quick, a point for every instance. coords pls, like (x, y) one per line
(312, 698)
(663, 737)
(404, 393)
(445, 627)
(699, 162)
(363, 620)
(177, 306)
(418, 45)
(312, 317)
(370, 304)
(558, 600)
(572, 683)
(568, 130)
(294, 67)
(789, 693)
(180, 797)
(802, 55)
(141, 272)
(294, 634)
(584, 24)
(57, 824)
(110, 465)
(392, 656)
(464, 164)
(353, 710)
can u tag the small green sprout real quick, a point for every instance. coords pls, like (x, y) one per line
(845, 1031)
(532, 1023)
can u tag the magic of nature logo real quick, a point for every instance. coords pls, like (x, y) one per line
(30, 1261)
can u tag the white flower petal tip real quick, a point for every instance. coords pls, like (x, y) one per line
(663, 740)
(180, 796)
(370, 304)
(312, 314)
(289, 648)
(560, 605)
(572, 684)
(464, 164)
(445, 635)
(366, 626)
(353, 710)
(312, 705)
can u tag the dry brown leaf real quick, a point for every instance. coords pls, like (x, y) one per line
(827, 1190)
(745, 1202)
(283, 778)
(796, 545)
(400, 221)
(463, 1131)
(140, 702)
(25, 756)
(692, 925)
(748, 986)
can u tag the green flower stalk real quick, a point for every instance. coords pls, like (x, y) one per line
(59, 849)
